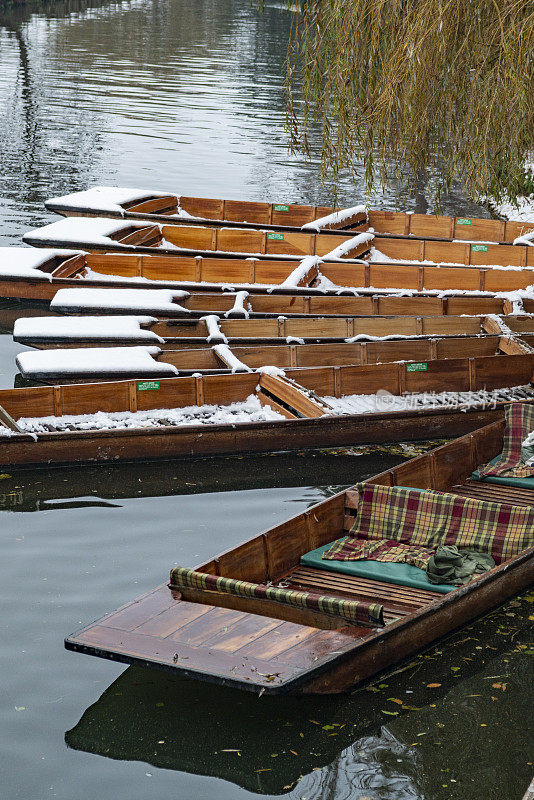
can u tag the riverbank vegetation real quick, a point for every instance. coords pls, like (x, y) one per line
(437, 86)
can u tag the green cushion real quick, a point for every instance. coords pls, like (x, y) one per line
(519, 483)
(386, 571)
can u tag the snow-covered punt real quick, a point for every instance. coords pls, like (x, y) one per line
(94, 361)
(295, 341)
(325, 406)
(333, 287)
(309, 607)
(98, 234)
(158, 206)
(219, 241)
(146, 204)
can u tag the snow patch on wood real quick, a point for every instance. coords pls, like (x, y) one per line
(86, 361)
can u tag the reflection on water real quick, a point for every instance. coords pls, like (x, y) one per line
(158, 94)
(429, 731)
(68, 488)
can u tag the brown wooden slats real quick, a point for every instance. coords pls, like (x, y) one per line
(390, 595)
(291, 395)
(277, 641)
(150, 236)
(320, 646)
(495, 492)
(155, 205)
(129, 645)
(236, 240)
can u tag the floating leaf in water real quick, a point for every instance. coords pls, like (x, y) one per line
(395, 700)
(5, 475)
(391, 713)
(433, 685)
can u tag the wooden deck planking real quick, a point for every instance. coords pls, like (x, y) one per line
(132, 646)
(277, 641)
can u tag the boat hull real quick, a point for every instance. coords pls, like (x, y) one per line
(55, 449)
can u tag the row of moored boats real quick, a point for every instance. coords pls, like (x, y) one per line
(180, 326)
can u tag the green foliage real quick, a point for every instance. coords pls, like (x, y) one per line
(412, 85)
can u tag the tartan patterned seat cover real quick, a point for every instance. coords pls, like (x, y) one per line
(353, 611)
(426, 519)
(519, 423)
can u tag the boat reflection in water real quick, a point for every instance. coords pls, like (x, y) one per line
(428, 730)
(72, 487)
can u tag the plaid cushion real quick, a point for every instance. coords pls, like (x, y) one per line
(428, 519)
(519, 423)
(351, 549)
(351, 610)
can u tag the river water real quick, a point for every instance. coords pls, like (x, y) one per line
(189, 96)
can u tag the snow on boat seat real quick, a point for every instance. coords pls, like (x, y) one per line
(24, 262)
(117, 361)
(81, 232)
(353, 611)
(511, 467)
(104, 198)
(150, 301)
(54, 329)
(411, 523)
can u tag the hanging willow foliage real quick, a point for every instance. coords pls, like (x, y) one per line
(413, 85)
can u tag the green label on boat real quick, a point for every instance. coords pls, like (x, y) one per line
(275, 236)
(460, 221)
(480, 248)
(418, 366)
(144, 386)
(281, 208)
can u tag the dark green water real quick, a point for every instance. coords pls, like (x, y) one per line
(188, 96)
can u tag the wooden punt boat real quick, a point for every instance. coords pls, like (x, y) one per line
(70, 364)
(265, 638)
(106, 235)
(45, 332)
(429, 289)
(206, 415)
(140, 204)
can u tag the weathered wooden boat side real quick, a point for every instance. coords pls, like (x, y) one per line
(361, 338)
(307, 421)
(189, 357)
(210, 279)
(279, 216)
(106, 235)
(236, 642)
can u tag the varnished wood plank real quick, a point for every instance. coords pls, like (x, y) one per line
(276, 641)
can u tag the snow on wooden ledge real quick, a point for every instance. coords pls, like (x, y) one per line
(139, 361)
(104, 198)
(54, 328)
(22, 262)
(151, 301)
(89, 230)
(335, 219)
